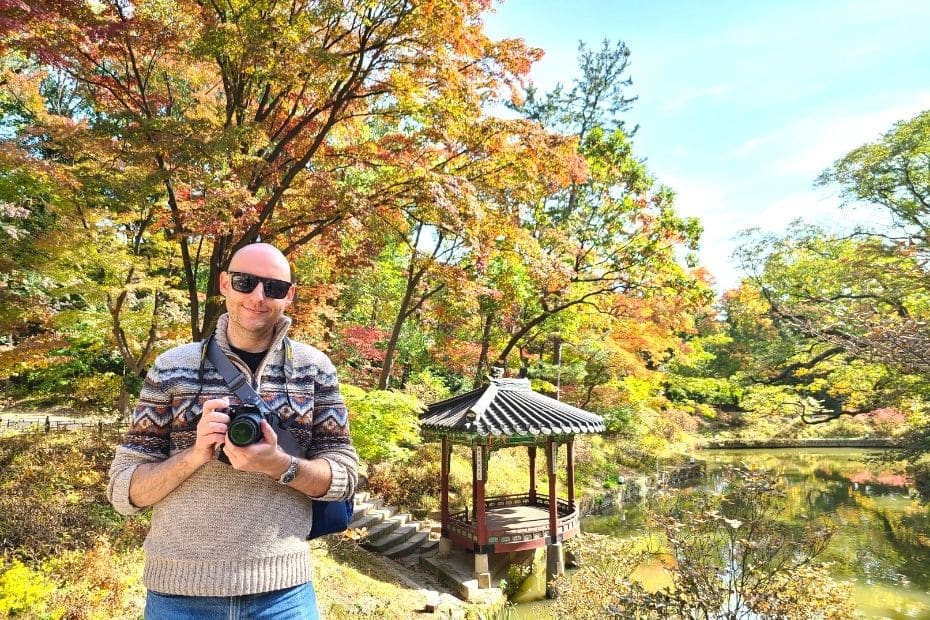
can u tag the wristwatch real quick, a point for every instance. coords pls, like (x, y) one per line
(290, 473)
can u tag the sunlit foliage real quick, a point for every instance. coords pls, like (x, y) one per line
(728, 555)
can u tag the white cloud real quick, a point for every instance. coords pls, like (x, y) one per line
(749, 147)
(689, 97)
(819, 141)
(810, 206)
(723, 221)
(699, 198)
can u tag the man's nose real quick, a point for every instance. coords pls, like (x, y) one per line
(258, 291)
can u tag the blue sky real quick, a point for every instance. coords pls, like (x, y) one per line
(743, 104)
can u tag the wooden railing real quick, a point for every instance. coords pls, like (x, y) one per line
(520, 534)
(45, 424)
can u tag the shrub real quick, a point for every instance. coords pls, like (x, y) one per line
(23, 589)
(99, 583)
(384, 423)
(427, 387)
(97, 391)
(411, 483)
(727, 554)
(888, 421)
(517, 574)
(52, 494)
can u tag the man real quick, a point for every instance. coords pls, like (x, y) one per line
(229, 540)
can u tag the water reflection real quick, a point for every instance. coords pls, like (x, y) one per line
(882, 541)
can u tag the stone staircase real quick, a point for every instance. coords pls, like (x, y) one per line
(391, 533)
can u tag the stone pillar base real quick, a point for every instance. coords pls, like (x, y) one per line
(445, 547)
(555, 566)
(482, 572)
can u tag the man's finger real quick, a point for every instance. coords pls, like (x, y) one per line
(213, 404)
(212, 428)
(268, 433)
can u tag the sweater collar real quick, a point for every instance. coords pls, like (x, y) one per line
(280, 331)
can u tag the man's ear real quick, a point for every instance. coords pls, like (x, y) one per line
(224, 283)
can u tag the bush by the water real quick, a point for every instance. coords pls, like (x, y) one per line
(728, 554)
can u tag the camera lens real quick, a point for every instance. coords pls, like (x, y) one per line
(245, 430)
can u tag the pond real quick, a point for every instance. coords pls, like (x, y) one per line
(882, 539)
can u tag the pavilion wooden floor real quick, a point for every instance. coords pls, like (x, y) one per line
(512, 518)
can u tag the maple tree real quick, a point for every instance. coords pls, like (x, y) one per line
(97, 278)
(607, 241)
(450, 238)
(267, 120)
(805, 320)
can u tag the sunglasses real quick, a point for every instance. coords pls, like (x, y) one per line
(246, 283)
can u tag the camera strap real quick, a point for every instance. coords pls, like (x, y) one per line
(247, 394)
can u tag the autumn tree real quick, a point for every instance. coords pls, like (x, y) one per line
(858, 301)
(607, 240)
(263, 120)
(447, 236)
(807, 318)
(891, 175)
(104, 282)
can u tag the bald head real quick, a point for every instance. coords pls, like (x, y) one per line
(253, 314)
(261, 259)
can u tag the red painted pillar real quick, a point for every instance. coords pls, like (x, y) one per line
(445, 462)
(570, 447)
(481, 518)
(532, 454)
(551, 451)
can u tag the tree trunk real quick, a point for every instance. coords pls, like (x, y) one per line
(402, 313)
(485, 346)
(517, 337)
(215, 305)
(123, 405)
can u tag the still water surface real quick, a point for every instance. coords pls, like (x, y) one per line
(882, 540)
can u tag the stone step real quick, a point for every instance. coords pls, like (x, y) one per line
(363, 508)
(366, 520)
(416, 544)
(391, 538)
(381, 513)
(392, 534)
(386, 527)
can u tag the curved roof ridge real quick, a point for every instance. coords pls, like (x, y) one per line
(506, 407)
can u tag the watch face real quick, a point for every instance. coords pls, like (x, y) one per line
(289, 474)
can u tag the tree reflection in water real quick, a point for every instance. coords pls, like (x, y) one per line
(882, 542)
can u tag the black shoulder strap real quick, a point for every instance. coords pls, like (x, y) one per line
(232, 375)
(247, 394)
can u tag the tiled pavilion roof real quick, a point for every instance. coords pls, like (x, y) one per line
(507, 408)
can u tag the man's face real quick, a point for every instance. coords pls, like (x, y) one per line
(253, 315)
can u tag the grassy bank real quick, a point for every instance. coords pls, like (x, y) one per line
(65, 553)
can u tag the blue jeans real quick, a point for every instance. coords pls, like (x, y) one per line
(297, 603)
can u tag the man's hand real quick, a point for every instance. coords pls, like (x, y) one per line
(261, 457)
(211, 430)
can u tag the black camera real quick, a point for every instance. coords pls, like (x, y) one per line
(245, 424)
(245, 428)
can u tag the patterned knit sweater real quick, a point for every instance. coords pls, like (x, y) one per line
(224, 532)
